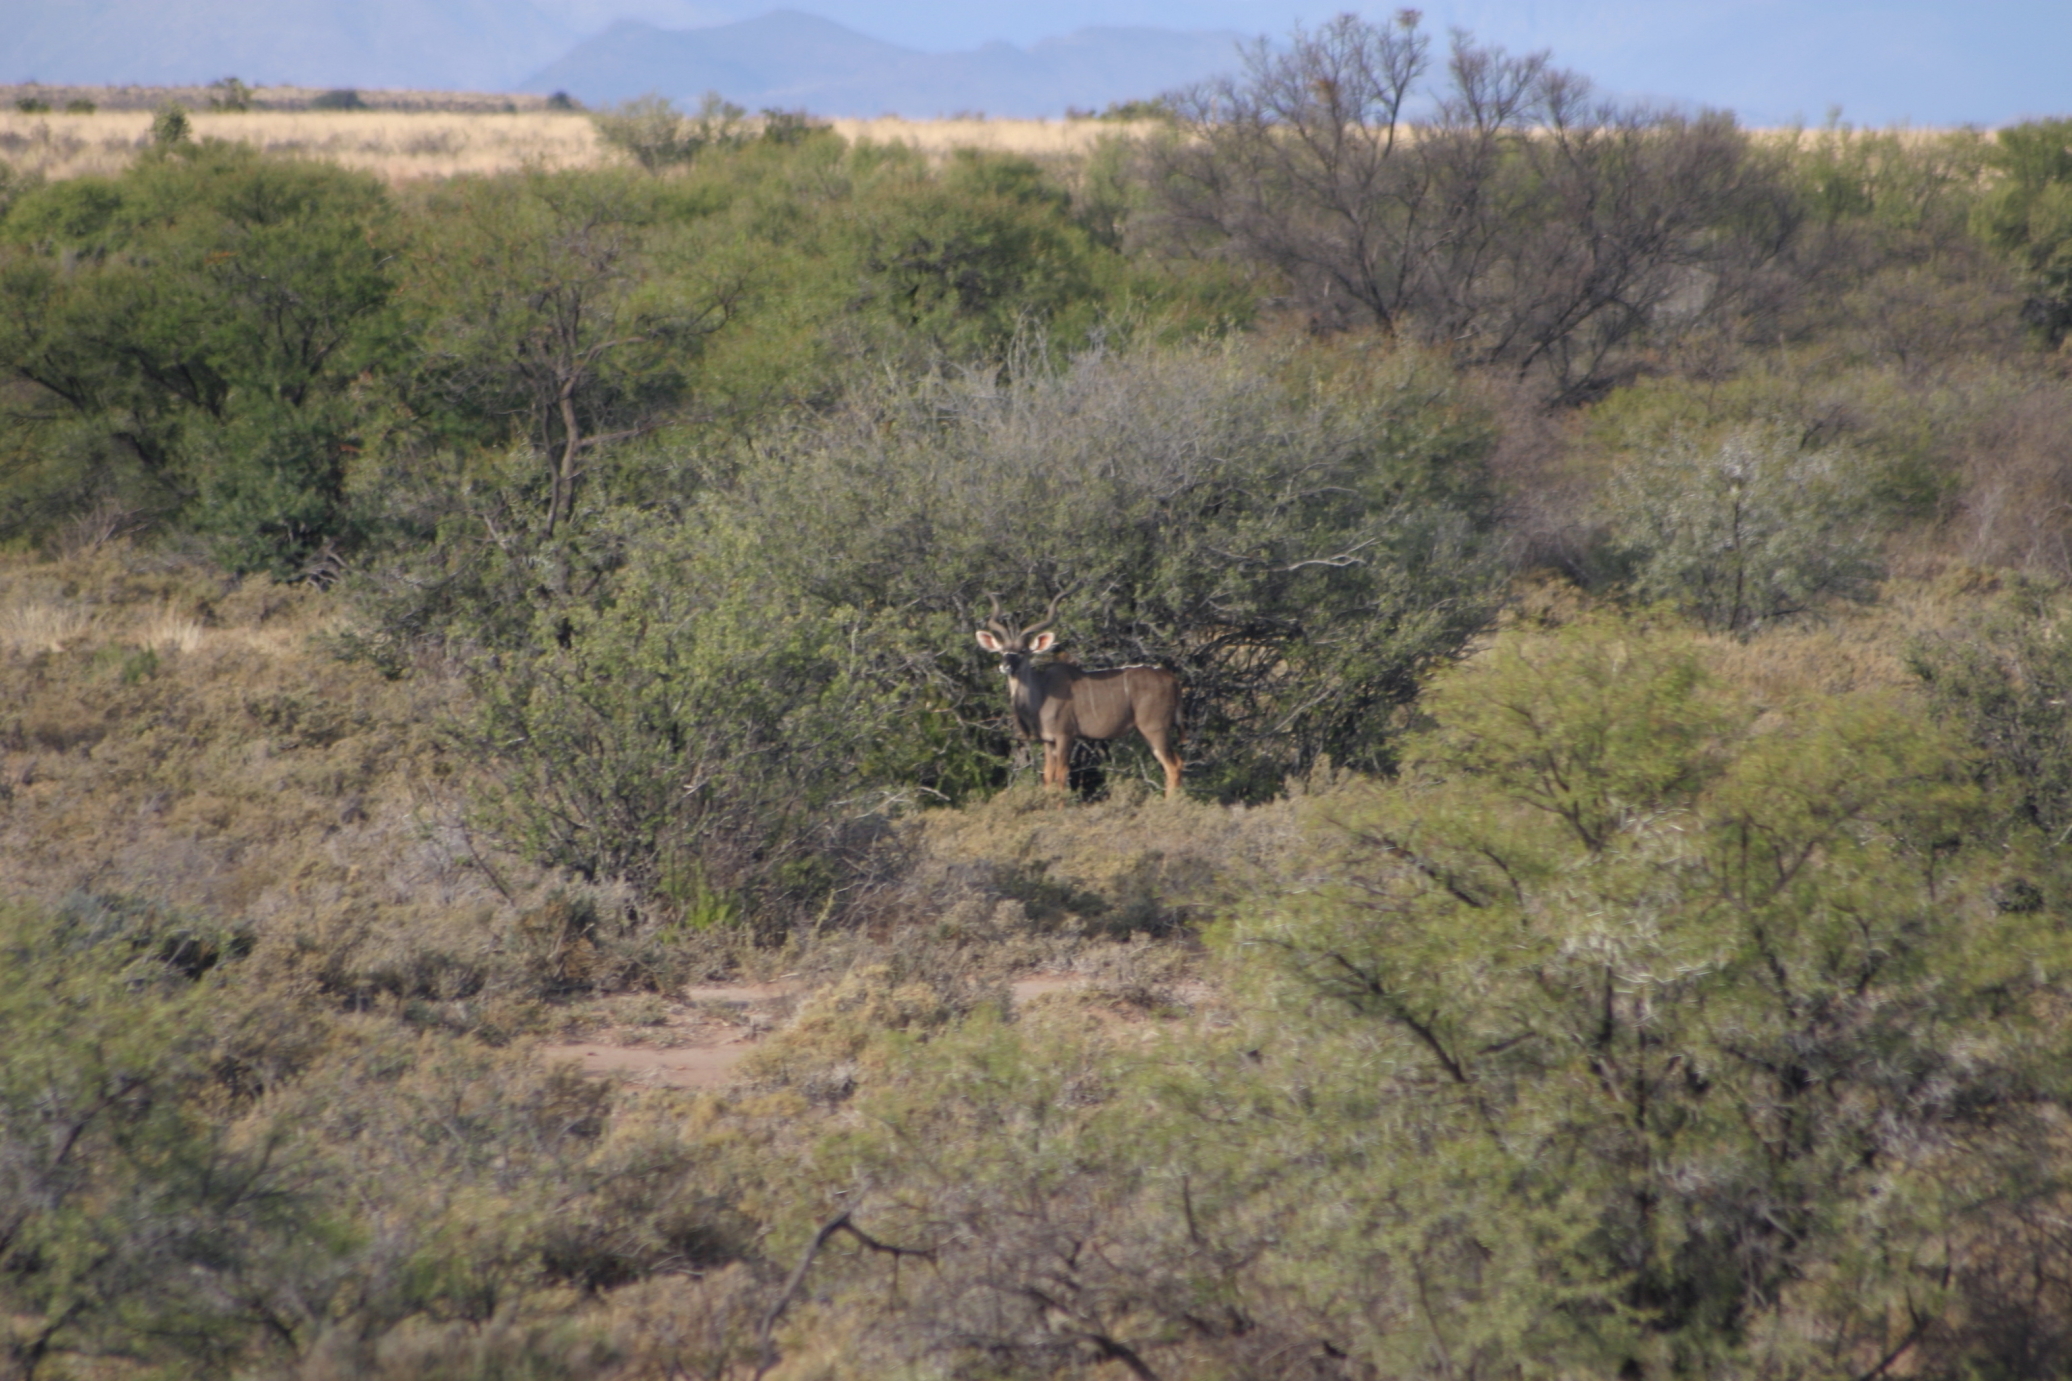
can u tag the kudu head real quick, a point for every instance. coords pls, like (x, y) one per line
(1015, 649)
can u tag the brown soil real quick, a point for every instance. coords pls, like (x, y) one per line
(695, 1051)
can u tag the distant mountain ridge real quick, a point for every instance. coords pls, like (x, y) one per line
(784, 58)
(437, 44)
(791, 59)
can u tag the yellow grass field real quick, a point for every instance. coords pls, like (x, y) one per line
(406, 145)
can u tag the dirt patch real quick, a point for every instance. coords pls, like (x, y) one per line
(698, 1053)
(690, 1066)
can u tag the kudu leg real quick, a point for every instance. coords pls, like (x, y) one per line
(1057, 763)
(1168, 759)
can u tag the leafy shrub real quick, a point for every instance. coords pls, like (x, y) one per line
(2004, 683)
(1753, 532)
(200, 357)
(230, 94)
(718, 706)
(135, 1224)
(343, 98)
(1624, 1036)
(1300, 539)
(2028, 215)
(170, 127)
(694, 737)
(656, 135)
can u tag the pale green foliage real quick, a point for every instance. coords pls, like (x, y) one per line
(1719, 988)
(132, 1221)
(691, 734)
(656, 135)
(1298, 537)
(1751, 532)
(1631, 1032)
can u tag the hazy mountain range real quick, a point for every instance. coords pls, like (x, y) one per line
(1771, 60)
(795, 60)
(784, 58)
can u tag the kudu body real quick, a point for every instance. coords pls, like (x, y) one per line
(1060, 703)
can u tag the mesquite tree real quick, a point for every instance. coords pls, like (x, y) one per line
(1495, 206)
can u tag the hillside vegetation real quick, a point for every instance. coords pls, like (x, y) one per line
(1617, 925)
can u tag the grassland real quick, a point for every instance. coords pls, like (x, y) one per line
(409, 145)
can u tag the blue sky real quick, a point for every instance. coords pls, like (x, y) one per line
(1984, 62)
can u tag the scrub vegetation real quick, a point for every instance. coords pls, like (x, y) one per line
(1619, 566)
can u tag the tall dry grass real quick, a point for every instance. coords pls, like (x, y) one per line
(406, 145)
(396, 145)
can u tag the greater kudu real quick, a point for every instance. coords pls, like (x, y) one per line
(1059, 703)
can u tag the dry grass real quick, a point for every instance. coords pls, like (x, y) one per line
(171, 734)
(195, 96)
(167, 629)
(1839, 650)
(407, 136)
(35, 625)
(405, 145)
(397, 145)
(1035, 138)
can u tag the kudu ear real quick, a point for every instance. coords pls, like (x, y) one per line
(1043, 642)
(989, 642)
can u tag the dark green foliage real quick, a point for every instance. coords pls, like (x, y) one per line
(561, 312)
(187, 338)
(2028, 215)
(170, 127)
(963, 260)
(729, 705)
(698, 735)
(781, 126)
(344, 98)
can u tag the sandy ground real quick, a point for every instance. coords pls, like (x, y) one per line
(701, 1050)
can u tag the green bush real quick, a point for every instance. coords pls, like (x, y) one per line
(2004, 683)
(2028, 215)
(190, 339)
(134, 1222)
(656, 135)
(699, 736)
(724, 702)
(1755, 531)
(1628, 1033)
(170, 127)
(1300, 538)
